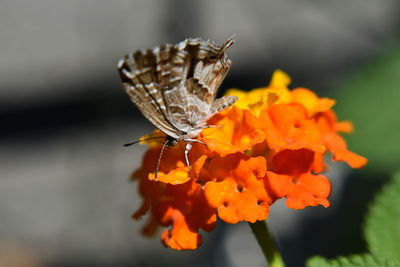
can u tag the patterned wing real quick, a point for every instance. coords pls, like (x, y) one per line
(190, 102)
(211, 66)
(175, 86)
(145, 74)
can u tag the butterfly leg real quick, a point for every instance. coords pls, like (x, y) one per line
(187, 149)
(194, 140)
(212, 126)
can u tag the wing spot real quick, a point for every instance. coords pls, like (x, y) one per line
(128, 74)
(142, 71)
(175, 79)
(120, 63)
(156, 50)
(182, 45)
(165, 73)
(129, 87)
(152, 85)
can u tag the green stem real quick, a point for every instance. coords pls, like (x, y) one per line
(267, 243)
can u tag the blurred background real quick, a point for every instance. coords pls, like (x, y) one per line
(65, 197)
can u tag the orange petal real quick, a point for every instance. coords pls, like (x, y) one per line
(328, 125)
(180, 237)
(292, 162)
(185, 209)
(240, 195)
(344, 127)
(286, 127)
(311, 101)
(300, 192)
(338, 146)
(173, 169)
(195, 169)
(238, 132)
(318, 164)
(176, 176)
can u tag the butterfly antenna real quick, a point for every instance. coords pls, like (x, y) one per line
(138, 141)
(159, 158)
(228, 43)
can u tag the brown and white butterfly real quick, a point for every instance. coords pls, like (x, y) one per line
(174, 86)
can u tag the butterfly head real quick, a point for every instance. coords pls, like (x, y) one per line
(171, 141)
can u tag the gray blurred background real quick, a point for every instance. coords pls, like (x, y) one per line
(65, 198)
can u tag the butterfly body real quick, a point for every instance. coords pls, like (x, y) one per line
(174, 86)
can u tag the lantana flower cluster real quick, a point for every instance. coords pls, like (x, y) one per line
(269, 145)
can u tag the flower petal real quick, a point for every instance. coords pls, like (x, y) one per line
(280, 79)
(184, 208)
(287, 127)
(238, 132)
(239, 193)
(338, 146)
(306, 190)
(292, 162)
(328, 125)
(311, 101)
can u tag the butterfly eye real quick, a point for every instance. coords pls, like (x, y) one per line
(172, 142)
(212, 58)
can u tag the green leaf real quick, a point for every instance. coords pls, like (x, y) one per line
(382, 227)
(352, 261)
(370, 98)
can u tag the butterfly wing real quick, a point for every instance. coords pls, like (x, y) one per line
(175, 86)
(191, 101)
(145, 74)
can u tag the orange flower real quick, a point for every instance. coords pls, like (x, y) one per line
(240, 130)
(329, 127)
(302, 191)
(287, 126)
(237, 191)
(269, 145)
(182, 206)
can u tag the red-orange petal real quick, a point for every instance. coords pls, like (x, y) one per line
(173, 169)
(344, 127)
(292, 162)
(328, 125)
(286, 126)
(177, 176)
(338, 146)
(239, 194)
(180, 236)
(239, 131)
(302, 191)
(183, 207)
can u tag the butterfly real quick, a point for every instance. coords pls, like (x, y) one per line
(175, 87)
